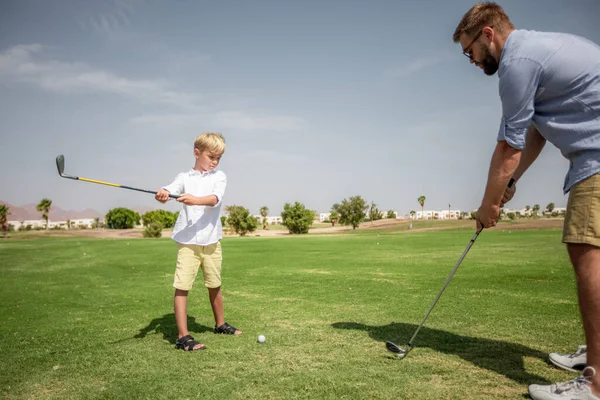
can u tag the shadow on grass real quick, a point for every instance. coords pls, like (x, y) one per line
(168, 327)
(501, 357)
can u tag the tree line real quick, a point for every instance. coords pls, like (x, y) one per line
(295, 216)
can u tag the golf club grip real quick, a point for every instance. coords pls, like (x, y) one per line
(510, 184)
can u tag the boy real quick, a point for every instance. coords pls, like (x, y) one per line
(198, 232)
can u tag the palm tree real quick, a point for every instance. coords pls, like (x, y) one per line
(372, 211)
(68, 224)
(334, 217)
(535, 209)
(412, 213)
(421, 201)
(44, 208)
(550, 207)
(527, 208)
(264, 211)
(4, 213)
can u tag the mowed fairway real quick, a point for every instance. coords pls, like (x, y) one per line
(92, 318)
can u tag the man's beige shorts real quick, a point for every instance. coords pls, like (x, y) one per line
(582, 221)
(192, 257)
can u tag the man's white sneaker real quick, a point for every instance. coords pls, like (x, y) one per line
(571, 362)
(577, 389)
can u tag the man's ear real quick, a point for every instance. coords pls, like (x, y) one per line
(489, 34)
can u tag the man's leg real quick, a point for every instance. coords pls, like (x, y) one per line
(581, 233)
(586, 261)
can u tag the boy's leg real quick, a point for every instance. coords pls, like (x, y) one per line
(211, 267)
(216, 302)
(185, 274)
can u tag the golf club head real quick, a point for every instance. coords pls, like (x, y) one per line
(60, 164)
(399, 351)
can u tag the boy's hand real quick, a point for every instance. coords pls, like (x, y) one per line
(162, 195)
(188, 199)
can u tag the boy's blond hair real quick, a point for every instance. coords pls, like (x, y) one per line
(481, 15)
(211, 141)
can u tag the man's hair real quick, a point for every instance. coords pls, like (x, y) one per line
(211, 141)
(481, 15)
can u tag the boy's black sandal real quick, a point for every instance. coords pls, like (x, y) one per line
(226, 329)
(187, 343)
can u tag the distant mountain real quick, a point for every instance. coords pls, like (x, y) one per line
(29, 212)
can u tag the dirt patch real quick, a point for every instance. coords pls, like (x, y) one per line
(391, 226)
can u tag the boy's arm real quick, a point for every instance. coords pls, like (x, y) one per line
(210, 200)
(177, 186)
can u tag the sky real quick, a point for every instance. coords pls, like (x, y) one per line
(318, 101)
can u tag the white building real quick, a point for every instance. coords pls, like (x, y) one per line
(434, 214)
(82, 223)
(40, 223)
(35, 223)
(271, 220)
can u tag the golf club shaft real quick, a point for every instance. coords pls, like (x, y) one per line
(60, 166)
(174, 196)
(445, 284)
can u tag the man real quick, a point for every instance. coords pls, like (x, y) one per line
(549, 85)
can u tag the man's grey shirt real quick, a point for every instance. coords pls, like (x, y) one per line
(552, 80)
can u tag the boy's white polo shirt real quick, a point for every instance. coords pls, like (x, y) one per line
(199, 225)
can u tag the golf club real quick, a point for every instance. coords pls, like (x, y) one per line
(402, 352)
(60, 165)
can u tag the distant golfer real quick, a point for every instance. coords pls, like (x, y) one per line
(198, 232)
(549, 85)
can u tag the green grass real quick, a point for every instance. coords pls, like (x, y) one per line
(90, 318)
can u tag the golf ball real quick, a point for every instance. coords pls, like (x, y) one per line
(261, 338)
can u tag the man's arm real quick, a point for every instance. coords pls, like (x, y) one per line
(534, 144)
(503, 166)
(519, 81)
(505, 161)
(533, 147)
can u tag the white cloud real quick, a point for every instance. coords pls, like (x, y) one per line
(114, 20)
(245, 121)
(25, 63)
(413, 67)
(263, 158)
(225, 120)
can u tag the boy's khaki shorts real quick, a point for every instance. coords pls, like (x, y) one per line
(582, 221)
(192, 257)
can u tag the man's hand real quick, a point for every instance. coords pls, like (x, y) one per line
(508, 194)
(487, 216)
(188, 199)
(162, 195)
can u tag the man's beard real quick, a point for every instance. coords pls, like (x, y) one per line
(489, 63)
